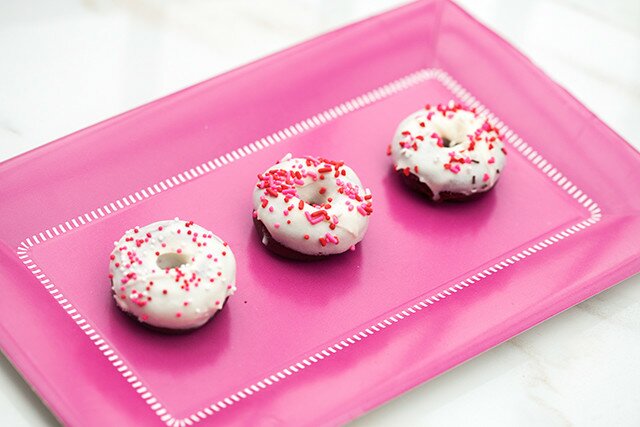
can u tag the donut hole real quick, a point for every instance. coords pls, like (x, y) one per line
(452, 140)
(171, 260)
(317, 199)
(452, 136)
(313, 196)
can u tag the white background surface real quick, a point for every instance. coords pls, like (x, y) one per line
(68, 64)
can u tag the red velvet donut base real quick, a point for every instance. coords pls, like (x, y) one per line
(169, 331)
(279, 249)
(413, 182)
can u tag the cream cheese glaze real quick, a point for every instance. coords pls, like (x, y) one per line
(172, 274)
(450, 148)
(313, 206)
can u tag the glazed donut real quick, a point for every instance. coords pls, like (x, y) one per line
(172, 275)
(448, 152)
(310, 207)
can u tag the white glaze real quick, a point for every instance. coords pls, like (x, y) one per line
(347, 218)
(417, 149)
(152, 294)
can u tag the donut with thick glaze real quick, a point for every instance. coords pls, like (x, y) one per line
(310, 207)
(448, 152)
(172, 275)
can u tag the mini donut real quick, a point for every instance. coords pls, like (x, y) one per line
(305, 208)
(171, 275)
(448, 152)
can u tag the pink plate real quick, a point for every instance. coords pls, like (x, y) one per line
(312, 343)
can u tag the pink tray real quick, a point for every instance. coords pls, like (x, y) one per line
(312, 343)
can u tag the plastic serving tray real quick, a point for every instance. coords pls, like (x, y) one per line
(312, 343)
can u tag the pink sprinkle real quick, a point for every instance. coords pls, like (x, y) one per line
(350, 208)
(335, 219)
(313, 220)
(270, 208)
(179, 250)
(331, 238)
(455, 168)
(468, 160)
(491, 160)
(209, 256)
(285, 212)
(362, 211)
(255, 215)
(276, 225)
(485, 178)
(352, 248)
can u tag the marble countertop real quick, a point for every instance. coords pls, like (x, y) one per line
(70, 63)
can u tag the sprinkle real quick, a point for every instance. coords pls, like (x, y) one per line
(486, 177)
(314, 218)
(331, 238)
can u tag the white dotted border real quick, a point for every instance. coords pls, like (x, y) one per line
(328, 115)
